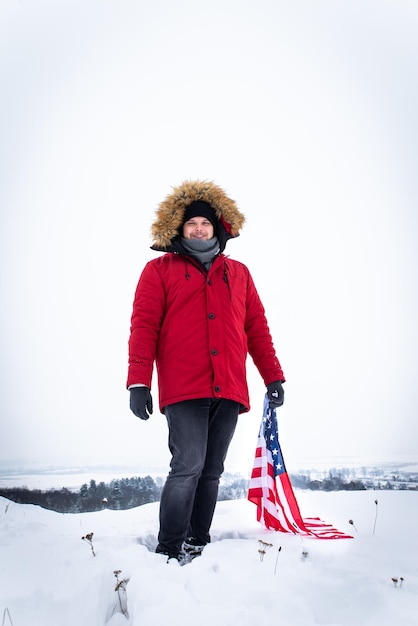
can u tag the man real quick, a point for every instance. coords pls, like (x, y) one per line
(196, 315)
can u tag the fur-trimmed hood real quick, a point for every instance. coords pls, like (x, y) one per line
(170, 214)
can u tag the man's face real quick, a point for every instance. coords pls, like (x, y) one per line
(198, 228)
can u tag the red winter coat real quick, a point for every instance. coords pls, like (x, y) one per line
(198, 326)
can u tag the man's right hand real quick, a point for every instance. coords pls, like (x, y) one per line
(140, 402)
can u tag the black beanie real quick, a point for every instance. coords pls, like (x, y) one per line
(200, 208)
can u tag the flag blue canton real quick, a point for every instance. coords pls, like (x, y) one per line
(272, 442)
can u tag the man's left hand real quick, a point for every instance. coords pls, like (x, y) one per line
(275, 394)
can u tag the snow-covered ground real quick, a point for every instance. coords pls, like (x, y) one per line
(49, 576)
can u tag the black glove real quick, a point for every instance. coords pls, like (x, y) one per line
(275, 394)
(141, 402)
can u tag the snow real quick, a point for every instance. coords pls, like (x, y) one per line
(49, 576)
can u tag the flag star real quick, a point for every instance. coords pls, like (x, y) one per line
(275, 452)
(279, 466)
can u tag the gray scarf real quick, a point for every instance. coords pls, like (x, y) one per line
(202, 249)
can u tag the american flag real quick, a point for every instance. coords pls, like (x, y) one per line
(271, 490)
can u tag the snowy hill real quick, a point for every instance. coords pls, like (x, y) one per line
(49, 576)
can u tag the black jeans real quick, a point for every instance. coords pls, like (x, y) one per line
(200, 432)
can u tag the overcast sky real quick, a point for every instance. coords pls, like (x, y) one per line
(305, 112)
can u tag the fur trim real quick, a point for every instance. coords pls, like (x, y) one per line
(169, 214)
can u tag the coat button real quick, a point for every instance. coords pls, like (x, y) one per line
(217, 388)
(214, 352)
(211, 316)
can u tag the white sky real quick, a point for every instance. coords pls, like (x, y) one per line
(305, 112)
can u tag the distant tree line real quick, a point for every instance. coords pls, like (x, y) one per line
(340, 481)
(127, 493)
(330, 483)
(124, 493)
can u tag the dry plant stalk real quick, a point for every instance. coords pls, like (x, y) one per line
(277, 558)
(120, 584)
(89, 539)
(375, 517)
(350, 521)
(6, 613)
(263, 548)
